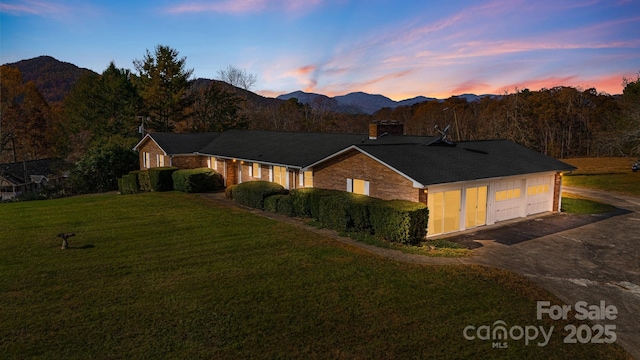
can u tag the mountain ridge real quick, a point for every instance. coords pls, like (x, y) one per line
(54, 79)
(361, 102)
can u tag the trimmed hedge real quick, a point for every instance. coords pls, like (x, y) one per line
(285, 205)
(334, 211)
(161, 178)
(253, 193)
(143, 180)
(271, 203)
(399, 220)
(196, 180)
(128, 184)
(306, 202)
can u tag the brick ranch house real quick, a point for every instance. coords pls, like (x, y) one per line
(465, 185)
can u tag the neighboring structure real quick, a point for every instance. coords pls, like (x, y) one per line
(19, 178)
(465, 185)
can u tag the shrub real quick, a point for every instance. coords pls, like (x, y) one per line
(196, 180)
(271, 202)
(306, 202)
(399, 221)
(359, 212)
(128, 184)
(253, 193)
(143, 180)
(334, 211)
(300, 200)
(101, 166)
(228, 192)
(161, 178)
(285, 205)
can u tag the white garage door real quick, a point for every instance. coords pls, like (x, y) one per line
(508, 199)
(539, 194)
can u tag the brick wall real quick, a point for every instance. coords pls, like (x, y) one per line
(154, 150)
(384, 183)
(557, 185)
(188, 162)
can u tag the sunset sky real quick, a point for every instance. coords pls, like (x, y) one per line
(397, 48)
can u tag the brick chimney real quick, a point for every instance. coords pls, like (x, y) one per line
(385, 127)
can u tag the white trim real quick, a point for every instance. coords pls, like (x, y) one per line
(149, 136)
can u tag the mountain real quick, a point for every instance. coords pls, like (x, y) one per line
(356, 102)
(53, 78)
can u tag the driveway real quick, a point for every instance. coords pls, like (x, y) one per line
(595, 261)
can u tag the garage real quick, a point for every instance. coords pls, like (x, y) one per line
(508, 199)
(539, 194)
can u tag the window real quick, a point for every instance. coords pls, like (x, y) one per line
(212, 163)
(308, 178)
(280, 175)
(255, 170)
(507, 194)
(538, 189)
(146, 159)
(160, 160)
(358, 186)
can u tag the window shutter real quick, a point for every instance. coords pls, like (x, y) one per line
(301, 178)
(349, 185)
(250, 170)
(366, 188)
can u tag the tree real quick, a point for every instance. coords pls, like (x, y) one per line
(237, 77)
(631, 111)
(163, 80)
(107, 104)
(215, 109)
(100, 167)
(25, 117)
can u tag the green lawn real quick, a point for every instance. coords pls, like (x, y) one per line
(171, 275)
(610, 174)
(573, 204)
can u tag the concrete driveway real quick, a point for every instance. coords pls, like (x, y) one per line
(598, 260)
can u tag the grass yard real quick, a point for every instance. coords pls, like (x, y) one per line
(171, 275)
(611, 174)
(574, 204)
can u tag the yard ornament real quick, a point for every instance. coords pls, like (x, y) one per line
(65, 236)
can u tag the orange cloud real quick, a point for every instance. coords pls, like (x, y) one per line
(611, 84)
(305, 70)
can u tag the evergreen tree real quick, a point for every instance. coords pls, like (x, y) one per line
(163, 80)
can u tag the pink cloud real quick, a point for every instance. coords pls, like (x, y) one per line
(30, 7)
(243, 6)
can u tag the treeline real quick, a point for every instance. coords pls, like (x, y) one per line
(562, 122)
(100, 119)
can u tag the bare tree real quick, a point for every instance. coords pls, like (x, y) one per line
(237, 77)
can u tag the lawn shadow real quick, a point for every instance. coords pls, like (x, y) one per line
(83, 247)
(520, 231)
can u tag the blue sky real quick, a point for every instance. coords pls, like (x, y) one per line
(397, 48)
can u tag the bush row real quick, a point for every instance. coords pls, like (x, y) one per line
(396, 220)
(170, 178)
